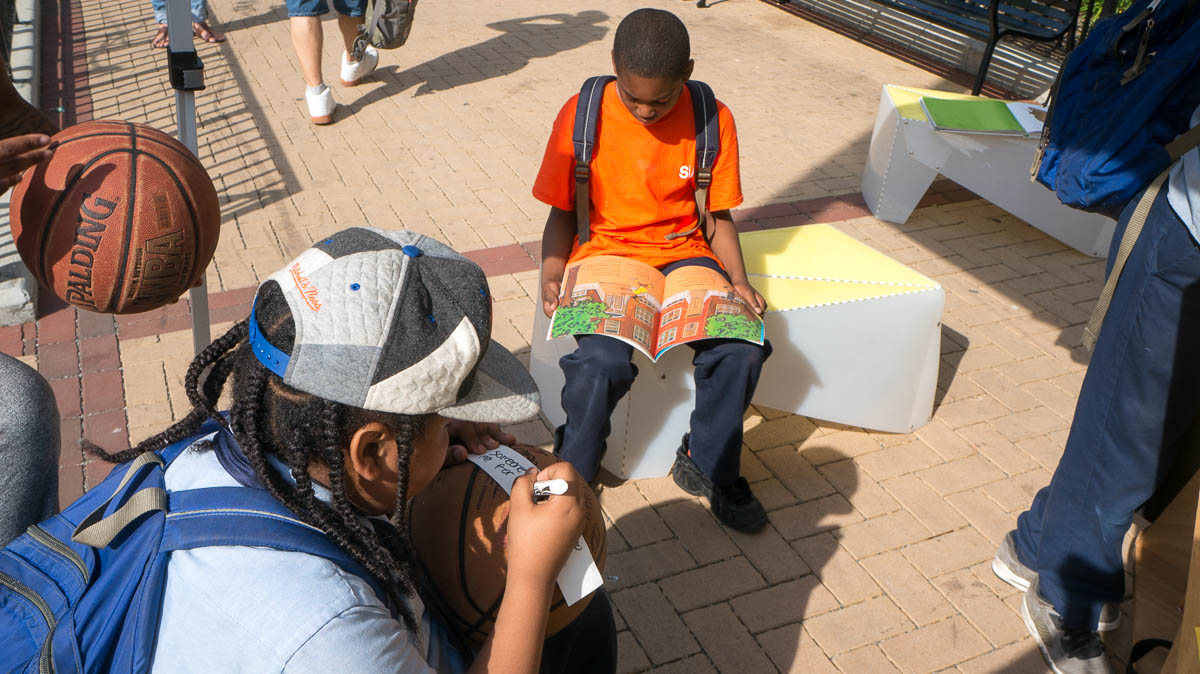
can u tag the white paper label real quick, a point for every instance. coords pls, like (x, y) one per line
(579, 576)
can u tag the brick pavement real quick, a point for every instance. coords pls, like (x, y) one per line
(877, 557)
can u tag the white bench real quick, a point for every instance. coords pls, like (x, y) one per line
(857, 339)
(907, 153)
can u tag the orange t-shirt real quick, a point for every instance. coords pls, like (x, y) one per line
(641, 181)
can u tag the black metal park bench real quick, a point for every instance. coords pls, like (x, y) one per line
(990, 20)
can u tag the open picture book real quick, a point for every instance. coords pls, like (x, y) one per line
(633, 302)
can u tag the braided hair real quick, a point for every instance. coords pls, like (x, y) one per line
(270, 418)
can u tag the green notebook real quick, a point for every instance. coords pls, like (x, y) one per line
(982, 116)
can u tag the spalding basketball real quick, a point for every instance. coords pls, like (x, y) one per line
(122, 219)
(458, 526)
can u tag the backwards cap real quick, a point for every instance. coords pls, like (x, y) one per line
(395, 321)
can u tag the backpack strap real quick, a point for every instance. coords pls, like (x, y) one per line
(708, 145)
(198, 518)
(583, 138)
(1175, 149)
(371, 14)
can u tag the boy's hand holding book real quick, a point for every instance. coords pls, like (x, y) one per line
(550, 291)
(751, 296)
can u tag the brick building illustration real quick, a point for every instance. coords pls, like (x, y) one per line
(684, 314)
(625, 314)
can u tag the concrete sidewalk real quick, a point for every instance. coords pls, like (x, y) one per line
(877, 558)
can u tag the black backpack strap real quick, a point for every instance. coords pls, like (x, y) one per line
(209, 516)
(583, 138)
(708, 145)
(1141, 648)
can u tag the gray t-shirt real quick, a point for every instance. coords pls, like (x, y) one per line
(1184, 187)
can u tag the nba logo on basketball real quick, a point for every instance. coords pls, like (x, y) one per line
(157, 266)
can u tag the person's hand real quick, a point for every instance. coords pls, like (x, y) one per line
(474, 438)
(542, 535)
(19, 153)
(550, 289)
(751, 296)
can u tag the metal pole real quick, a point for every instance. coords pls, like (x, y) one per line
(186, 73)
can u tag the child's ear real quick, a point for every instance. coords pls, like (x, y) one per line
(687, 72)
(372, 448)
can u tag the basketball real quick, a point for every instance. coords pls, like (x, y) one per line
(458, 527)
(122, 219)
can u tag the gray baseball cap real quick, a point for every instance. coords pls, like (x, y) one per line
(395, 321)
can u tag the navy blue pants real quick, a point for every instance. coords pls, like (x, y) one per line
(1140, 394)
(601, 371)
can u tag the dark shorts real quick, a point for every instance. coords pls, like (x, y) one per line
(354, 8)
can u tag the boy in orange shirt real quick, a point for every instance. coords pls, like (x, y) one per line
(642, 191)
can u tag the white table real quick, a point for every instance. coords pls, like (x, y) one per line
(907, 153)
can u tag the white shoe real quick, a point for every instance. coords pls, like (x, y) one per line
(320, 106)
(352, 73)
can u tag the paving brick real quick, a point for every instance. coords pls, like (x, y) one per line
(103, 391)
(630, 656)
(67, 396)
(837, 569)
(944, 440)
(751, 468)
(1018, 658)
(984, 514)
(1046, 451)
(924, 503)
(1000, 388)
(726, 640)
(864, 493)
(632, 514)
(773, 495)
(710, 584)
(910, 590)
(1016, 493)
(696, 664)
(866, 659)
(949, 552)
(795, 473)
(971, 411)
(809, 518)
(979, 605)
(857, 625)
(654, 622)
(70, 484)
(1030, 423)
(998, 449)
(899, 460)
(960, 474)
(57, 360)
(770, 554)
(886, 532)
(837, 446)
(94, 472)
(647, 563)
(793, 651)
(787, 430)
(99, 353)
(784, 603)
(936, 646)
(698, 532)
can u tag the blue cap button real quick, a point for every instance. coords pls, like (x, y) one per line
(411, 251)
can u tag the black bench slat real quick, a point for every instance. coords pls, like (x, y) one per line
(1043, 20)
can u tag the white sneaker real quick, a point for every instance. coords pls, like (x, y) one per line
(352, 73)
(320, 106)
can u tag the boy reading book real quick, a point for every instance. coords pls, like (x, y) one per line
(643, 208)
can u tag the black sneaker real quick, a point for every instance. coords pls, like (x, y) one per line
(734, 505)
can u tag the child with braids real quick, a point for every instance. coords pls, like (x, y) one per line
(359, 362)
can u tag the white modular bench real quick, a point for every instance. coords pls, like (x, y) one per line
(857, 339)
(907, 153)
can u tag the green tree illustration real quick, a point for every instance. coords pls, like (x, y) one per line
(582, 317)
(734, 326)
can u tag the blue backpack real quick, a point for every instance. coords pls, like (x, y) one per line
(82, 591)
(1123, 95)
